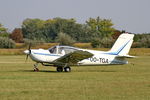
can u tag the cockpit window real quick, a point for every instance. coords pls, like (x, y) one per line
(62, 50)
(66, 50)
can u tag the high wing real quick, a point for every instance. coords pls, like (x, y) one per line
(73, 57)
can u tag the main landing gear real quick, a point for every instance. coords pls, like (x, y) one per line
(66, 69)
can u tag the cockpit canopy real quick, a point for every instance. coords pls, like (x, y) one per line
(62, 49)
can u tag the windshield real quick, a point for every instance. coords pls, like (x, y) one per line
(53, 50)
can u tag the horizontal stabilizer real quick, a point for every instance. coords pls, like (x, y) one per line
(125, 56)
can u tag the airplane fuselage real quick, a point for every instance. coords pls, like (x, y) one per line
(98, 58)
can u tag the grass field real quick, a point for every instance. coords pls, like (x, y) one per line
(122, 82)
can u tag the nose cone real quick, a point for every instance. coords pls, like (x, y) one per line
(26, 52)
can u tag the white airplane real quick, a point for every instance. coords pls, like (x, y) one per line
(62, 57)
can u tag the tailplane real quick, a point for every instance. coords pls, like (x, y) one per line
(122, 45)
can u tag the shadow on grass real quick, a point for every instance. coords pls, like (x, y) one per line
(76, 70)
(95, 71)
(108, 71)
(38, 71)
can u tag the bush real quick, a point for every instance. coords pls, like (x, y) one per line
(82, 45)
(106, 42)
(4, 35)
(27, 42)
(143, 40)
(6, 43)
(136, 45)
(95, 43)
(65, 39)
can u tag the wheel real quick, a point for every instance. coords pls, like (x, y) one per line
(36, 69)
(59, 69)
(67, 69)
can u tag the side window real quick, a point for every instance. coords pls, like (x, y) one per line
(61, 50)
(69, 50)
(65, 50)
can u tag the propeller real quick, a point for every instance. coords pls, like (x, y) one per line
(28, 52)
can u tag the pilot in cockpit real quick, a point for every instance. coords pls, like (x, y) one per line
(63, 52)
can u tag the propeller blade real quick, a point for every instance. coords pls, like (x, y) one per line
(29, 48)
(26, 58)
(29, 52)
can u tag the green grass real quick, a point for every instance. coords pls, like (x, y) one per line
(121, 82)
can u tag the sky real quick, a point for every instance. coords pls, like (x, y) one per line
(130, 15)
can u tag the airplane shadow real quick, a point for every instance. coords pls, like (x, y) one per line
(96, 71)
(46, 71)
(108, 71)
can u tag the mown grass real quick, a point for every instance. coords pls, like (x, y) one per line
(117, 82)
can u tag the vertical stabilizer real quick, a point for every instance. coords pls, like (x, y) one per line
(122, 45)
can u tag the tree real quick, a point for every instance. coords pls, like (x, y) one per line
(33, 29)
(64, 39)
(68, 26)
(95, 43)
(3, 31)
(17, 35)
(101, 27)
(116, 34)
(106, 42)
(48, 30)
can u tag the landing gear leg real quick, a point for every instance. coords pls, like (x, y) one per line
(35, 67)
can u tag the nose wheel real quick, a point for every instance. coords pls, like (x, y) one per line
(35, 69)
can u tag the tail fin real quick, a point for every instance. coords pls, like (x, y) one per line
(122, 44)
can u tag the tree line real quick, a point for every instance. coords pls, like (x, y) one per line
(99, 32)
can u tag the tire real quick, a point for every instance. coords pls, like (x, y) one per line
(67, 69)
(59, 69)
(36, 70)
